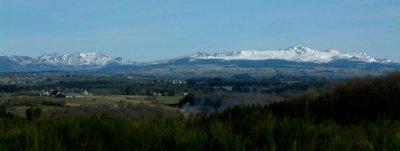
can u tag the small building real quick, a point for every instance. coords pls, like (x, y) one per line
(44, 93)
(73, 95)
(157, 94)
(86, 93)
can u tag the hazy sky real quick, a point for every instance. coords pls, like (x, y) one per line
(159, 29)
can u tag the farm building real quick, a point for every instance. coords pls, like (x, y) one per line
(73, 95)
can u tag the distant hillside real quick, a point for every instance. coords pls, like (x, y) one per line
(355, 100)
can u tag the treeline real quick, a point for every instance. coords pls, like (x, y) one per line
(101, 88)
(165, 87)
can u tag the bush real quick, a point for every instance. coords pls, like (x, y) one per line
(3, 111)
(33, 113)
(54, 103)
(188, 99)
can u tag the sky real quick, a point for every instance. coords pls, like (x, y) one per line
(148, 30)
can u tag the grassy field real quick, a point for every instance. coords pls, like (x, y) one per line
(95, 100)
(20, 110)
(20, 104)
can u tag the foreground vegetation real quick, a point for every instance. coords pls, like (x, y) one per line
(357, 115)
(248, 128)
(237, 129)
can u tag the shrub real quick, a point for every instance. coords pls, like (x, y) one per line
(33, 113)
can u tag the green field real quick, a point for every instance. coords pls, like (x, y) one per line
(20, 104)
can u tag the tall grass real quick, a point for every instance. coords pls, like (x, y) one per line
(250, 128)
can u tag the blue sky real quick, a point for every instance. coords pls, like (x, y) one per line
(160, 29)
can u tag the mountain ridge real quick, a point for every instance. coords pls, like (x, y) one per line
(297, 53)
(247, 58)
(73, 59)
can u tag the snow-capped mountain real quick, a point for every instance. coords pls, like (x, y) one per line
(94, 58)
(74, 59)
(62, 62)
(296, 56)
(296, 53)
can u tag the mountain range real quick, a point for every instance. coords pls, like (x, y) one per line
(296, 53)
(292, 56)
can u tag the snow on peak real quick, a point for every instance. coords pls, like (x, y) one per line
(200, 55)
(299, 49)
(91, 58)
(297, 53)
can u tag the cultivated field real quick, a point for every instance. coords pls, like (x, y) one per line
(18, 105)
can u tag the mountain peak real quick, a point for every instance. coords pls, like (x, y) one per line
(80, 58)
(92, 58)
(200, 54)
(299, 49)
